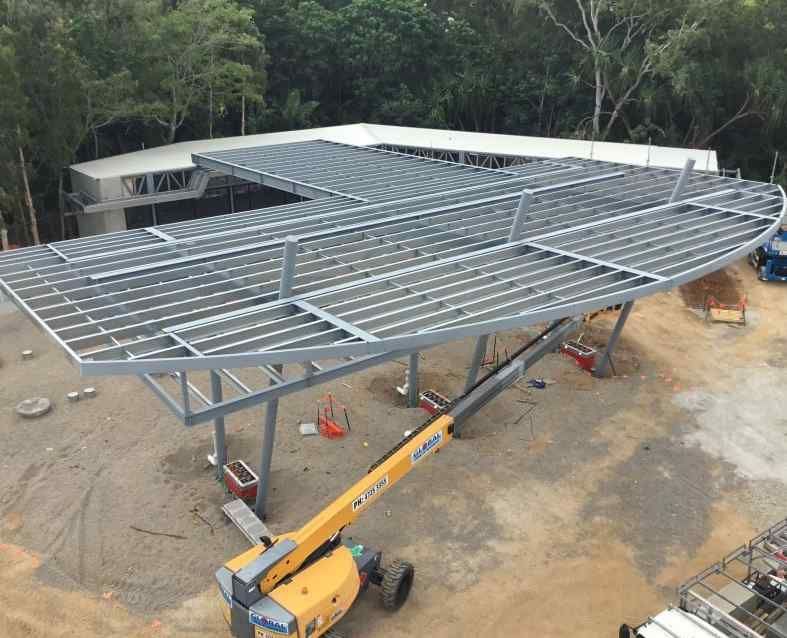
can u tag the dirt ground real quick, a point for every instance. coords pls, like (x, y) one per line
(563, 511)
(723, 285)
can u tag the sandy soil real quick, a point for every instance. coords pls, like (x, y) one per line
(723, 285)
(563, 512)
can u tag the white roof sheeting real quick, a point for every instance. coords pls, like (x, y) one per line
(178, 156)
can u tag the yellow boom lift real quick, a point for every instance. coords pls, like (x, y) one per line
(302, 583)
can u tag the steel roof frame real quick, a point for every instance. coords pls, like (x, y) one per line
(323, 169)
(398, 254)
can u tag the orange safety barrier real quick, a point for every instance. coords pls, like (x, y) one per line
(326, 423)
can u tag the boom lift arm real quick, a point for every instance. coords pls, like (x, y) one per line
(302, 583)
(256, 586)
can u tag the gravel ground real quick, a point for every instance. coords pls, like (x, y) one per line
(597, 496)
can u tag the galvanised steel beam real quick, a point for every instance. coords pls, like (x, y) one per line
(286, 387)
(430, 259)
(606, 359)
(62, 284)
(477, 396)
(318, 164)
(272, 181)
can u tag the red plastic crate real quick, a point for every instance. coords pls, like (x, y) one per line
(241, 480)
(584, 356)
(433, 402)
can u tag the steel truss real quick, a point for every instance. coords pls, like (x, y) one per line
(394, 255)
(473, 158)
(144, 189)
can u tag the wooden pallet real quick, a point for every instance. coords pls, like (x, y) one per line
(727, 315)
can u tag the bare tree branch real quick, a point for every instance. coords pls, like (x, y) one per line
(742, 112)
(563, 26)
(610, 42)
(593, 43)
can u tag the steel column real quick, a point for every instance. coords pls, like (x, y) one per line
(521, 213)
(220, 447)
(288, 266)
(685, 174)
(601, 368)
(507, 375)
(266, 458)
(290, 254)
(412, 381)
(183, 379)
(478, 359)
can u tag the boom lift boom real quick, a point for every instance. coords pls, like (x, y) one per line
(302, 583)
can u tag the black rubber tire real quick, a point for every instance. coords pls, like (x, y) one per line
(332, 633)
(625, 631)
(397, 582)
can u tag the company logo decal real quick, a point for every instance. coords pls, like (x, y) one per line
(424, 449)
(269, 623)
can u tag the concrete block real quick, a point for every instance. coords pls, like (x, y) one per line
(307, 429)
(33, 407)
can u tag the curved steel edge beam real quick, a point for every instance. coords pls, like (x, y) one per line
(425, 339)
(700, 271)
(418, 340)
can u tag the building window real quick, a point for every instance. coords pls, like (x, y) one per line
(139, 217)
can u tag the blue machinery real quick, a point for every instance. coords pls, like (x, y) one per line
(770, 259)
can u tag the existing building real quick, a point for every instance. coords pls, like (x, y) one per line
(162, 185)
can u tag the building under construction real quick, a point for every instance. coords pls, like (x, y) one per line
(385, 251)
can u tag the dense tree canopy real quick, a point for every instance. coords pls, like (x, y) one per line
(83, 79)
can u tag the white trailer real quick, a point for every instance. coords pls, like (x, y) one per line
(742, 596)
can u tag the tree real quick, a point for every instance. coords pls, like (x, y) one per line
(620, 42)
(104, 39)
(296, 113)
(193, 49)
(397, 56)
(86, 78)
(303, 35)
(13, 121)
(742, 83)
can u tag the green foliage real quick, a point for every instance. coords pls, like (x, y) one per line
(296, 113)
(195, 50)
(87, 78)
(14, 108)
